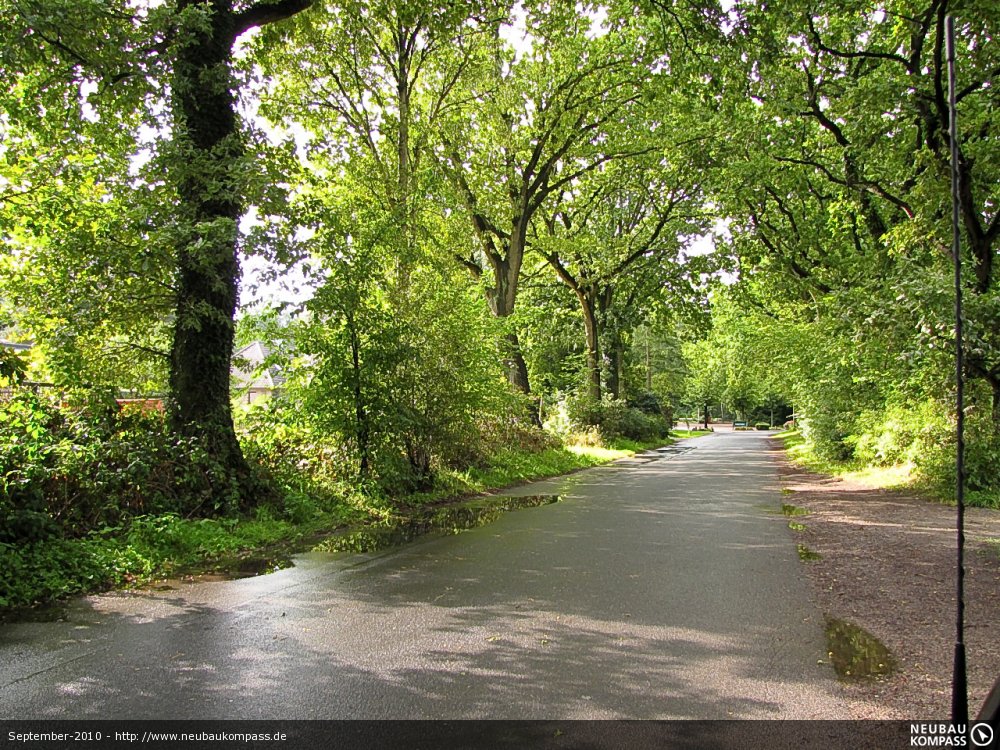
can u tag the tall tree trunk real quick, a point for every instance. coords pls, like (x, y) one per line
(514, 364)
(501, 298)
(208, 161)
(505, 255)
(208, 140)
(592, 329)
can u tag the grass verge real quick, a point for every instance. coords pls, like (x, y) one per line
(800, 452)
(151, 547)
(896, 477)
(154, 547)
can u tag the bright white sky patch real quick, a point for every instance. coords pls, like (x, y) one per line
(516, 33)
(87, 111)
(260, 286)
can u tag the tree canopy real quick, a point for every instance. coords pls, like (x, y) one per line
(502, 210)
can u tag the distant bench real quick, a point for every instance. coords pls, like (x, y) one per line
(748, 426)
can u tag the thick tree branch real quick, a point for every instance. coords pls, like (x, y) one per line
(263, 13)
(73, 54)
(865, 185)
(977, 85)
(816, 111)
(647, 246)
(470, 265)
(543, 193)
(483, 226)
(864, 54)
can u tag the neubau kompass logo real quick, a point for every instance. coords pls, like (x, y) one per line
(951, 735)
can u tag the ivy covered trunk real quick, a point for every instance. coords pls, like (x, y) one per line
(208, 160)
(514, 364)
(614, 345)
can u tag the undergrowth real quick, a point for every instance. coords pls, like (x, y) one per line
(895, 476)
(150, 547)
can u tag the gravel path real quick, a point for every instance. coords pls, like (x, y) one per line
(888, 565)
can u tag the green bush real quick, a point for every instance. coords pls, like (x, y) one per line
(829, 432)
(936, 460)
(921, 434)
(79, 464)
(900, 433)
(147, 547)
(308, 450)
(614, 418)
(40, 571)
(648, 403)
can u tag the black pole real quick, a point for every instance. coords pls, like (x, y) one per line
(959, 685)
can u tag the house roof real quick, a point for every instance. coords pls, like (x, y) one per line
(248, 367)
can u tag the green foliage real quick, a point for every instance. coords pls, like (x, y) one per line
(145, 548)
(513, 465)
(12, 368)
(311, 470)
(615, 418)
(837, 189)
(84, 261)
(141, 548)
(41, 571)
(83, 463)
(403, 390)
(420, 163)
(744, 361)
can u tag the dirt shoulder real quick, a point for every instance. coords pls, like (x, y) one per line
(888, 565)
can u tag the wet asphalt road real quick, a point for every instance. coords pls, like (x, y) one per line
(663, 587)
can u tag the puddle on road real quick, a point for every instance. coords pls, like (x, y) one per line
(258, 566)
(855, 653)
(445, 519)
(249, 567)
(448, 519)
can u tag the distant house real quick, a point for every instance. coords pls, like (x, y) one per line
(252, 376)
